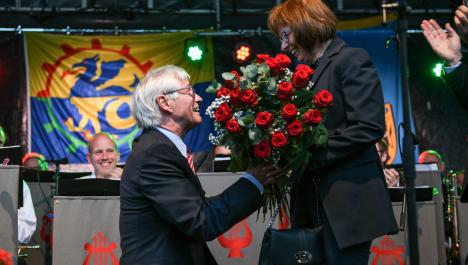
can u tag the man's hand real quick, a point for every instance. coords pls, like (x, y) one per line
(461, 22)
(266, 174)
(446, 45)
(115, 173)
(391, 177)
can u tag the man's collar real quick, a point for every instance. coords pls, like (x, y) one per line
(175, 139)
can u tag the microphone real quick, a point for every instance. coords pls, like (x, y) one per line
(61, 161)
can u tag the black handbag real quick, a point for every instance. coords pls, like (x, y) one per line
(292, 246)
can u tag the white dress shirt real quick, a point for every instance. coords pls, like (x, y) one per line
(26, 217)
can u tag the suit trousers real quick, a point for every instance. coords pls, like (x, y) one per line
(354, 255)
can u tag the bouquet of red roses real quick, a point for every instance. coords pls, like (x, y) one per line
(269, 114)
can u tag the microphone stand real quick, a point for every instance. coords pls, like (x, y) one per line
(56, 177)
(408, 140)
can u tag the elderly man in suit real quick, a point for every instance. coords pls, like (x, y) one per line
(165, 218)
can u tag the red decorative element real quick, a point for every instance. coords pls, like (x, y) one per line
(6, 258)
(101, 252)
(283, 222)
(236, 239)
(391, 254)
(6, 161)
(96, 44)
(47, 220)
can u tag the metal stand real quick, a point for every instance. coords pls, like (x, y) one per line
(408, 139)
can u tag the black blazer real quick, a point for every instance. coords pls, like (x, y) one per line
(352, 185)
(165, 218)
(457, 81)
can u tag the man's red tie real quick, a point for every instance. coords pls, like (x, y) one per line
(190, 160)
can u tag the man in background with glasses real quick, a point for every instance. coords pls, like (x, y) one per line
(165, 218)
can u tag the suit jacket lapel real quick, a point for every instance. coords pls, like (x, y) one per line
(335, 46)
(182, 160)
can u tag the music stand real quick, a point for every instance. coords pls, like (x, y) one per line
(89, 187)
(221, 163)
(423, 193)
(10, 155)
(33, 175)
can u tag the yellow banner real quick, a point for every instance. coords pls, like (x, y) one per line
(81, 85)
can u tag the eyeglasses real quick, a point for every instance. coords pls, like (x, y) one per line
(189, 91)
(188, 88)
(284, 35)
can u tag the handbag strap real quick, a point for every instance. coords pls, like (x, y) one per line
(316, 181)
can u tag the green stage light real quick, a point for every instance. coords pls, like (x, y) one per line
(437, 70)
(194, 49)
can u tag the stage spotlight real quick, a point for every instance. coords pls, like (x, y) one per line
(194, 49)
(242, 51)
(437, 70)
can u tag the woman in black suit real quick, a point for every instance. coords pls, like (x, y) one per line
(354, 206)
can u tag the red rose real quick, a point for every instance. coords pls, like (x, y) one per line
(232, 126)
(274, 65)
(262, 150)
(263, 119)
(302, 75)
(295, 128)
(279, 139)
(234, 82)
(234, 96)
(249, 97)
(323, 98)
(304, 68)
(289, 111)
(285, 90)
(300, 79)
(312, 116)
(261, 58)
(223, 113)
(283, 60)
(222, 91)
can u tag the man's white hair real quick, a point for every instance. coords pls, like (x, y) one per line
(159, 81)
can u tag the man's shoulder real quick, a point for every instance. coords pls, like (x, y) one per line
(151, 142)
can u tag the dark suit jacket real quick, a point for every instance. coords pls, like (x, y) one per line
(457, 81)
(165, 218)
(352, 185)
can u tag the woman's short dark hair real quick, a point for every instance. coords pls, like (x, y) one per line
(311, 21)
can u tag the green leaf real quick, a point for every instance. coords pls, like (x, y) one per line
(244, 83)
(210, 89)
(228, 76)
(251, 72)
(264, 70)
(247, 120)
(254, 135)
(303, 97)
(272, 87)
(321, 134)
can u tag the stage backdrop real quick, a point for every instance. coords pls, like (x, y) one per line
(387, 62)
(81, 85)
